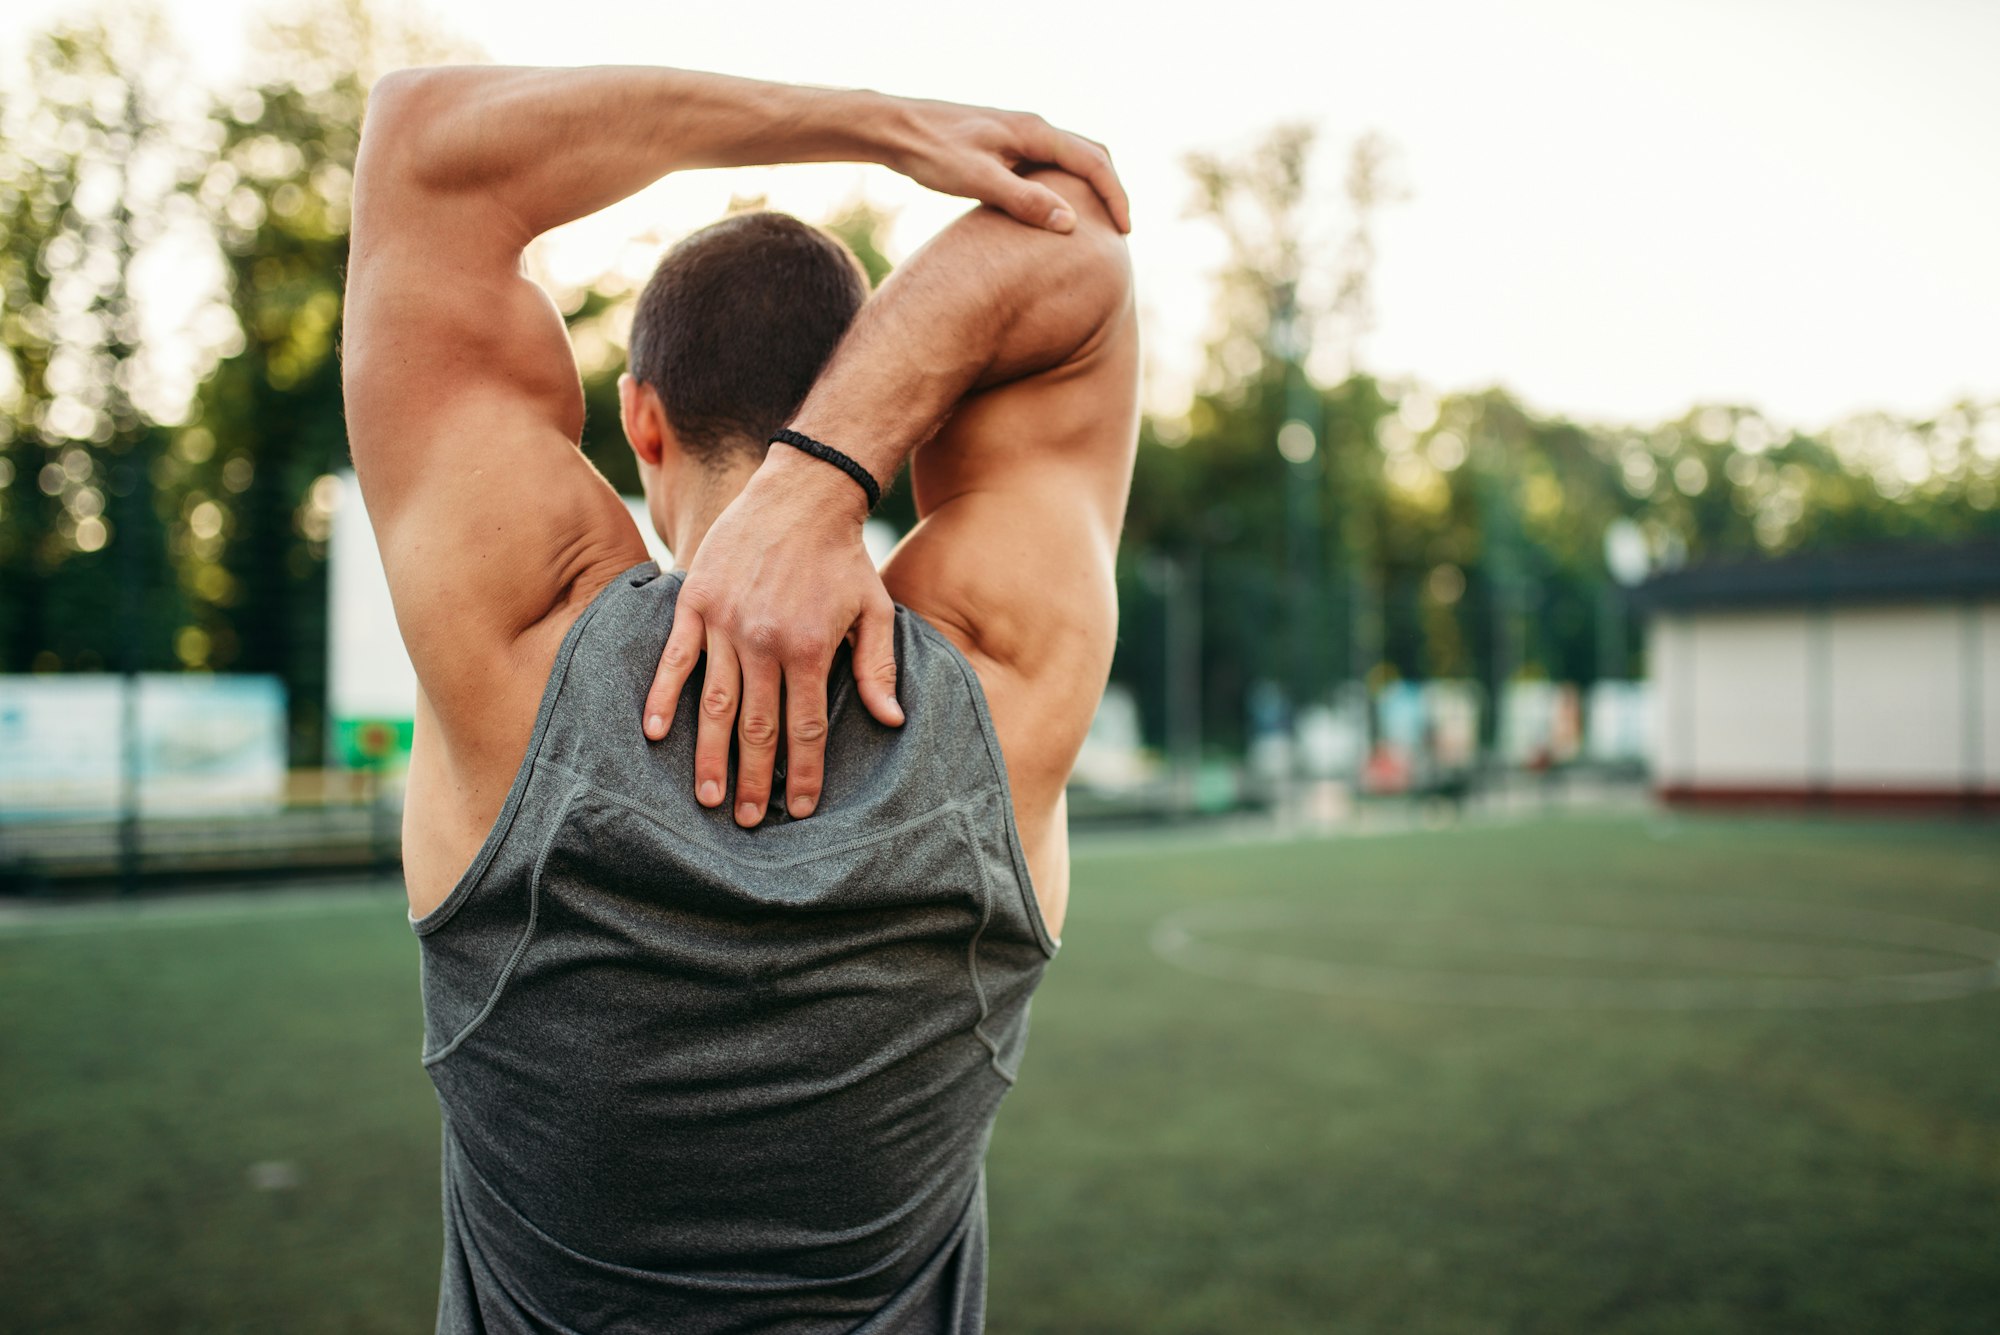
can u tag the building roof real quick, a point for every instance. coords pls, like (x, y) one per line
(1888, 574)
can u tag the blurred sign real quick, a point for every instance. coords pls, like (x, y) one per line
(1427, 734)
(1400, 716)
(369, 677)
(372, 743)
(1112, 758)
(1454, 724)
(1333, 737)
(204, 744)
(1620, 722)
(1541, 724)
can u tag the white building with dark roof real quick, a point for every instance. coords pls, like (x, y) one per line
(1854, 678)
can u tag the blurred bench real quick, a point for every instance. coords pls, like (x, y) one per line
(331, 821)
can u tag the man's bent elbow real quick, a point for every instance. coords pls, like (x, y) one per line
(1096, 256)
(397, 130)
(1075, 289)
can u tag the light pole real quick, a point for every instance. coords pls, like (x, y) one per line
(1627, 558)
(1298, 444)
(1179, 581)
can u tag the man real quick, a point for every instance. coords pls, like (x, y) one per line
(708, 1060)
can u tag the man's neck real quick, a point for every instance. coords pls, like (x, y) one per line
(695, 507)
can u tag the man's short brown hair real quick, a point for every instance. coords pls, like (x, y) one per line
(736, 323)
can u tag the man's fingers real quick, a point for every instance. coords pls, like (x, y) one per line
(875, 662)
(756, 738)
(720, 686)
(1029, 202)
(1083, 157)
(805, 736)
(677, 662)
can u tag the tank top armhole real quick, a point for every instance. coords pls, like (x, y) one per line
(1032, 902)
(462, 889)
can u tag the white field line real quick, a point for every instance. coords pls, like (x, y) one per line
(1746, 930)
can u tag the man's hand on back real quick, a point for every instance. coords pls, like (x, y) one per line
(778, 582)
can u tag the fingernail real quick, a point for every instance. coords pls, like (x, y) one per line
(801, 807)
(1061, 220)
(655, 725)
(747, 813)
(711, 793)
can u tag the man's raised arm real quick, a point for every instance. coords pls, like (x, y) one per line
(463, 166)
(463, 402)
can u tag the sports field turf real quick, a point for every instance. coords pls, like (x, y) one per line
(1574, 1075)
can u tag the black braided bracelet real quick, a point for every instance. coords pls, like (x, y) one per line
(827, 454)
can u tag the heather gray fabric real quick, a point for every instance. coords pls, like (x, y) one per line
(698, 1079)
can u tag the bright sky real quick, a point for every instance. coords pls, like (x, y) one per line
(1617, 210)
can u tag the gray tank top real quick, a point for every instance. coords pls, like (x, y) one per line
(700, 1079)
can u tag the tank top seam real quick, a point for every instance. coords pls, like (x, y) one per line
(972, 963)
(1017, 855)
(503, 824)
(957, 810)
(517, 1299)
(957, 806)
(520, 946)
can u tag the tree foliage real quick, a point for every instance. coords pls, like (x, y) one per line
(176, 515)
(98, 151)
(1461, 535)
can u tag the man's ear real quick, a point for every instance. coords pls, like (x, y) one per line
(644, 418)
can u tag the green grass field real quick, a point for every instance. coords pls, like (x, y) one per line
(1324, 1131)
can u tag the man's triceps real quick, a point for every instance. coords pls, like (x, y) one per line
(1021, 496)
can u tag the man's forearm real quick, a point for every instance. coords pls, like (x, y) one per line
(547, 146)
(986, 302)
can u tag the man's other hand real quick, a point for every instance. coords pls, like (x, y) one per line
(774, 587)
(978, 153)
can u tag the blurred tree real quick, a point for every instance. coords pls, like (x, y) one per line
(864, 226)
(97, 148)
(600, 318)
(1257, 200)
(250, 474)
(1470, 529)
(1370, 186)
(1285, 542)
(1228, 493)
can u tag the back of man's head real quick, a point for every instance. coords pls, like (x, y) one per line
(735, 325)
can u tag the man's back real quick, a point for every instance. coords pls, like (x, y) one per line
(697, 1077)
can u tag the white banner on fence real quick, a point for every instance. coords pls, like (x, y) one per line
(203, 744)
